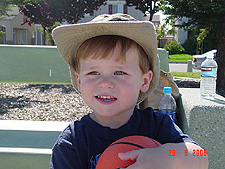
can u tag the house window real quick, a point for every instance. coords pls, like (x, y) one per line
(117, 8)
(22, 37)
(2, 35)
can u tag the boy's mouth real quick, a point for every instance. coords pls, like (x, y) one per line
(104, 98)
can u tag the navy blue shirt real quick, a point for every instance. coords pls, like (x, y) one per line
(82, 142)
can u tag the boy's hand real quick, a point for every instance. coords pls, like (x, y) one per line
(149, 158)
(160, 157)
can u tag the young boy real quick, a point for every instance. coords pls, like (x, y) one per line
(114, 65)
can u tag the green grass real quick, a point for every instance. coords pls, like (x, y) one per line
(180, 58)
(196, 75)
(183, 58)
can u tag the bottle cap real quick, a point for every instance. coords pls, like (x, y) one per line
(167, 90)
(210, 55)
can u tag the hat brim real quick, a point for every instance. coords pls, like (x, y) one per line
(68, 39)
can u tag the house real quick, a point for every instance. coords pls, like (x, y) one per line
(14, 32)
(119, 6)
(18, 34)
(182, 35)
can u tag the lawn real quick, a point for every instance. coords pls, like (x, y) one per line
(196, 75)
(183, 58)
(180, 58)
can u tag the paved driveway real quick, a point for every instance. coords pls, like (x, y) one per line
(180, 67)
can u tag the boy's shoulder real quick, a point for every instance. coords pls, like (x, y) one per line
(153, 116)
(73, 131)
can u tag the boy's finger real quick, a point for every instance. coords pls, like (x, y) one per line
(130, 155)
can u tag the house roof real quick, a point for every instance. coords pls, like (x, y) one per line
(11, 14)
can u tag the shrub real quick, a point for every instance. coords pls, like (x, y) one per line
(190, 46)
(174, 47)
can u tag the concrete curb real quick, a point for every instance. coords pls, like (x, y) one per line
(203, 121)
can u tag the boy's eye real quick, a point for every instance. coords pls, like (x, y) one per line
(93, 73)
(119, 73)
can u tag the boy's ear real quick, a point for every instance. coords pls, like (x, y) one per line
(147, 77)
(77, 80)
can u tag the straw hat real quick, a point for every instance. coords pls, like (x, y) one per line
(68, 39)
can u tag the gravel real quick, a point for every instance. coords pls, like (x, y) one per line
(183, 82)
(40, 102)
(50, 102)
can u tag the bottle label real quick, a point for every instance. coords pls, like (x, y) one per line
(171, 113)
(208, 71)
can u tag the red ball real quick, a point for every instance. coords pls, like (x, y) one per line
(109, 158)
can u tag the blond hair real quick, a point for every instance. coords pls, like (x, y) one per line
(106, 44)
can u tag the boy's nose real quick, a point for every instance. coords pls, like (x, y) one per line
(106, 83)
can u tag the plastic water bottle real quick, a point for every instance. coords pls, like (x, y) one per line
(208, 77)
(168, 104)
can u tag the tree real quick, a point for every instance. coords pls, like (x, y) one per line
(4, 7)
(163, 30)
(72, 11)
(48, 12)
(202, 35)
(167, 28)
(203, 14)
(38, 13)
(146, 6)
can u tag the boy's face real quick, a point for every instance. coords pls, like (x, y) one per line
(111, 88)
